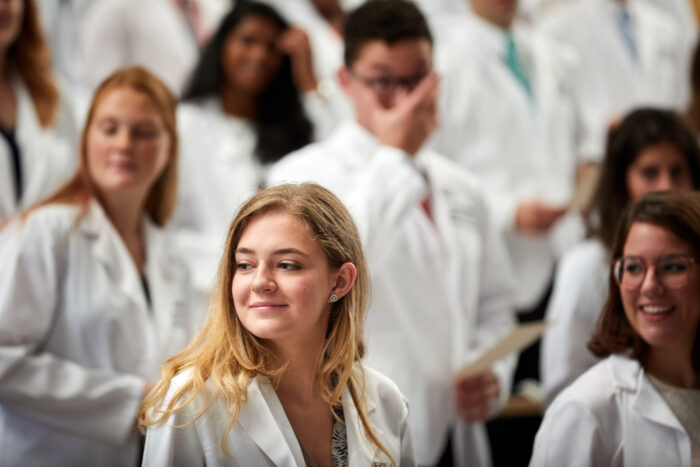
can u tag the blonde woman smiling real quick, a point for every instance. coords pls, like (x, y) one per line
(274, 377)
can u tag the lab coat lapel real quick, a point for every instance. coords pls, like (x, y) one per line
(647, 405)
(263, 418)
(457, 220)
(110, 251)
(361, 452)
(168, 290)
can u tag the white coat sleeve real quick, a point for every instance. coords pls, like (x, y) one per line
(571, 436)
(572, 313)
(93, 403)
(496, 313)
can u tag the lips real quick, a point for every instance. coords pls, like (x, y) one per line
(656, 309)
(122, 164)
(263, 307)
(656, 312)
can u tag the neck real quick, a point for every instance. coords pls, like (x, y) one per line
(297, 382)
(125, 214)
(671, 367)
(237, 103)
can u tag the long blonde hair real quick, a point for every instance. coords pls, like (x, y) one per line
(229, 356)
(161, 199)
(30, 57)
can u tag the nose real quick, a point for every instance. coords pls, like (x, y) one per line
(665, 181)
(261, 52)
(651, 283)
(123, 139)
(263, 281)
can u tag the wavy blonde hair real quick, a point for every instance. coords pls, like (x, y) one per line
(230, 357)
(161, 199)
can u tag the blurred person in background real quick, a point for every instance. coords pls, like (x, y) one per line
(37, 130)
(92, 295)
(243, 110)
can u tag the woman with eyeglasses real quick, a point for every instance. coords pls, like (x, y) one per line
(650, 150)
(640, 406)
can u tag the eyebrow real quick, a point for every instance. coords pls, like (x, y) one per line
(281, 251)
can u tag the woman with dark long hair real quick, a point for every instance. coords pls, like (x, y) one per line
(650, 150)
(37, 131)
(245, 107)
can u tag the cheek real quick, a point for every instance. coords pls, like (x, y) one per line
(239, 290)
(94, 153)
(629, 300)
(637, 186)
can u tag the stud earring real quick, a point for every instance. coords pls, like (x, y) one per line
(333, 298)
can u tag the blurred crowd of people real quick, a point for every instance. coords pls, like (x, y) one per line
(174, 179)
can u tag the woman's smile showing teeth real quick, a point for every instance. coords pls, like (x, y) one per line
(656, 309)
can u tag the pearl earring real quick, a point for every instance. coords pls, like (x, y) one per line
(333, 298)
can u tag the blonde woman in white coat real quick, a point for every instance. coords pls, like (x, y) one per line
(91, 297)
(275, 376)
(641, 405)
(37, 131)
(650, 150)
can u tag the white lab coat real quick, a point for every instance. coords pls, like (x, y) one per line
(521, 150)
(580, 291)
(151, 33)
(609, 83)
(218, 172)
(263, 436)
(47, 155)
(441, 291)
(611, 416)
(78, 340)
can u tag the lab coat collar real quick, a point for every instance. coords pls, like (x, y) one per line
(263, 418)
(361, 451)
(628, 375)
(363, 143)
(491, 38)
(112, 253)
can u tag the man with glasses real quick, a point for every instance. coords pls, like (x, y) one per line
(441, 284)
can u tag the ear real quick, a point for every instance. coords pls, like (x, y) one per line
(344, 280)
(345, 79)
